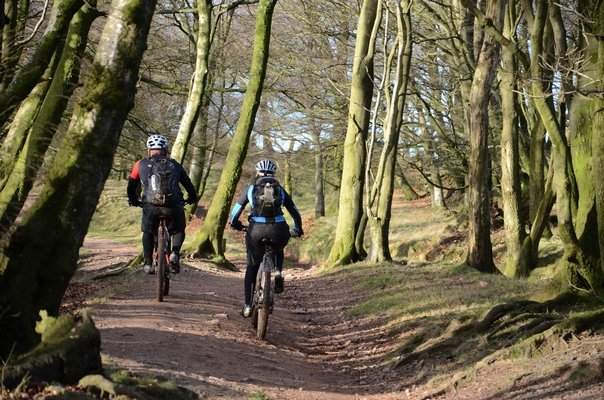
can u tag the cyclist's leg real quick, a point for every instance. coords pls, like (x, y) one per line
(149, 225)
(176, 227)
(255, 252)
(280, 236)
(148, 241)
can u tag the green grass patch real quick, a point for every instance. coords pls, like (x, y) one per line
(259, 395)
(113, 218)
(440, 293)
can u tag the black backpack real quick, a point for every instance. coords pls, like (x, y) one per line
(162, 186)
(267, 197)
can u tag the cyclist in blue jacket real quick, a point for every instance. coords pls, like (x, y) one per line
(266, 220)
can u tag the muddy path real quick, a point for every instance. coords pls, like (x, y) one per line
(197, 338)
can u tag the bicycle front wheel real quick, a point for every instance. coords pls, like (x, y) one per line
(161, 262)
(264, 307)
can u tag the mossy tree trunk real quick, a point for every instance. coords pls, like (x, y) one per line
(208, 240)
(20, 126)
(40, 257)
(198, 158)
(344, 250)
(29, 75)
(510, 155)
(383, 187)
(40, 115)
(480, 252)
(204, 152)
(198, 82)
(577, 267)
(598, 150)
(585, 130)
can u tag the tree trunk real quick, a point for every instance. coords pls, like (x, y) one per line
(577, 267)
(529, 253)
(343, 250)
(198, 159)
(20, 127)
(287, 171)
(379, 222)
(13, 24)
(435, 184)
(208, 240)
(480, 252)
(196, 91)
(598, 150)
(408, 193)
(510, 155)
(41, 256)
(319, 188)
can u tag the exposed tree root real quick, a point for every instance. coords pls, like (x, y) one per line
(70, 349)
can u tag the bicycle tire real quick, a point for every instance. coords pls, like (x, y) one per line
(254, 317)
(264, 308)
(161, 262)
(166, 285)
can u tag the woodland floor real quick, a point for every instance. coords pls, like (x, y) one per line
(313, 350)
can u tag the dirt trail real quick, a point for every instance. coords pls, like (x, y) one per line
(197, 337)
(313, 350)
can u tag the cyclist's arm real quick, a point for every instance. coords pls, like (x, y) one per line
(185, 181)
(238, 207)
(292, 209)
(134, 181)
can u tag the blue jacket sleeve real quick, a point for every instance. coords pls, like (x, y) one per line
(292, 209)
(238, 207)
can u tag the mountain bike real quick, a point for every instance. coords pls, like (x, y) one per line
(161, 258)
(263, 298)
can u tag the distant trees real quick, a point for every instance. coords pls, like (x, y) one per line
(527, 150)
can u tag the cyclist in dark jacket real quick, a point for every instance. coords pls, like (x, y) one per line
(264, 225)
(157, 148)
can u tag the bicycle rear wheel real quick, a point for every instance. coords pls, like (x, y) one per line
(254, 316)
(265, 306)
(161, 262)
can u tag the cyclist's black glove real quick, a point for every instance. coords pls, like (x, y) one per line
(191, 200)
(297, 232)
(237, 225)
(134, 202)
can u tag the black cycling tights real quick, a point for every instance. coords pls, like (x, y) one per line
(149, 239)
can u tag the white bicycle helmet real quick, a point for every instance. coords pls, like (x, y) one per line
(266, 167)
(157, 142)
